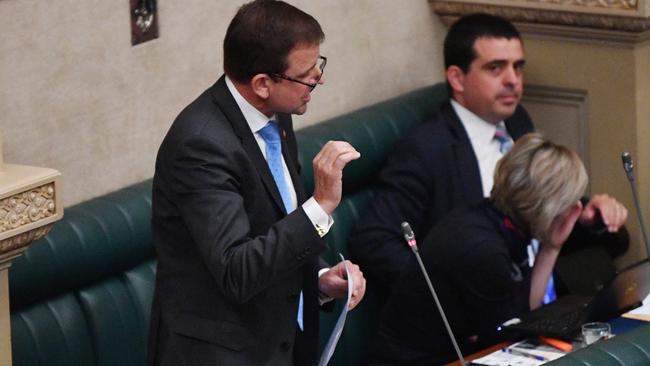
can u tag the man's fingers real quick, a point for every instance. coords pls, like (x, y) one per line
(615, 217)
(334, 152)
(344, 158)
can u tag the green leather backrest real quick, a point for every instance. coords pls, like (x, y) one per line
(629, 349)
(82, 294)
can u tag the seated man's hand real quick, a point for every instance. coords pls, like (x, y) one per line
(334, 283)
(606, 208)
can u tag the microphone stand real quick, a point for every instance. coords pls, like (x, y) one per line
(410, 240)
(628, 166)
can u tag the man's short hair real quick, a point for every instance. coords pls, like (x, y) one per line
(536, 181)
(261, 35)
(459, 42)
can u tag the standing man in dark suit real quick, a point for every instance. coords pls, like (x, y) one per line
(239, 279)
(449, 162)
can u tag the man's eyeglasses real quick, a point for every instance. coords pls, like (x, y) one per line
(321, 67)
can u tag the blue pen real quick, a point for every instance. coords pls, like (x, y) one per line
(517, 352)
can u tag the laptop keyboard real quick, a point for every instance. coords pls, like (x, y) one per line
(562, 325)
(561, 319)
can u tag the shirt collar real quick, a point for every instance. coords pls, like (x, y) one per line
(478, 130)
(256, 120)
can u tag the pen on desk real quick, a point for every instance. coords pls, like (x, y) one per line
(559, 344)
(517, 352)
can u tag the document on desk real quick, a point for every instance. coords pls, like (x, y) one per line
(640, 313)
(338, 328)
(525, 353)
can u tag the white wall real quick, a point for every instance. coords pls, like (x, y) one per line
(77, 97)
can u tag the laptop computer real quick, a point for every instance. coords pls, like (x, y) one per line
(564, 317)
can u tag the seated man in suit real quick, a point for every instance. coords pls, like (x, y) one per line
(449, 161)
(477, 258)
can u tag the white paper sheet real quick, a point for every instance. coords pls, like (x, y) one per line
(525, 353)
(340, 323)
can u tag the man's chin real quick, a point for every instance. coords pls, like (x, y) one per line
(506, 111)
(300, 110)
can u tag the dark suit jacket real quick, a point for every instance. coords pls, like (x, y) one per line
(231, 262)
(431, 172)
(478, 265)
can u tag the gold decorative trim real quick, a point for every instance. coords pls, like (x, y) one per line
(449, 10)
(609, 4)
(27, 207)
(24, 239)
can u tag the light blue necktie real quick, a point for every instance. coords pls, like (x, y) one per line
(504, 139)
(271, 135)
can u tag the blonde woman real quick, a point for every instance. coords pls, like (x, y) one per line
(477, 258)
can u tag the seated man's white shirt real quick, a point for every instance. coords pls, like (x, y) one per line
(486, 148)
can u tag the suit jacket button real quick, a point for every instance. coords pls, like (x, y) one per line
(285, 346)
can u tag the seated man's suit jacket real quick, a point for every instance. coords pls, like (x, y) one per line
(430, 172)
(231, 262)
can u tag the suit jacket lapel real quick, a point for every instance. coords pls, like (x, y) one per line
(465, 162)
(228, 106)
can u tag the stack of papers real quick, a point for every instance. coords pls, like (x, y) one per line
(525, 353)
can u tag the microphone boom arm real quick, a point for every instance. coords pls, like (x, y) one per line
(628, 166)
(409, 236)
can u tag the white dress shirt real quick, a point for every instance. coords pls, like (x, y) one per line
(256, 121)
(486, 148)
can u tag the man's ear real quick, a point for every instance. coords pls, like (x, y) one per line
(260, 84)
(456, 78)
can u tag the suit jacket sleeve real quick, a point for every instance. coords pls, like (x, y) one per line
(207, 178)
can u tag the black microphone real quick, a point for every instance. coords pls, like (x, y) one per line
(628, 166)
(409, 236)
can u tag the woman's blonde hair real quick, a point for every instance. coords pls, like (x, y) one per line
(536, 181)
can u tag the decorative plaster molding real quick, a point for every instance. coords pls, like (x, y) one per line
(556, 22)
(30, 202)
(12, 247)
(27, 207)
(609, 4)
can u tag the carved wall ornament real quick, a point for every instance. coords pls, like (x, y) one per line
(569, 23)
(610, 4)
(27, 207)
(24, 239)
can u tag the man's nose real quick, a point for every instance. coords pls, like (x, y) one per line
(512, 76)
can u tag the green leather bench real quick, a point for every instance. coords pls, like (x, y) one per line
(629, 349)
(82, 294)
